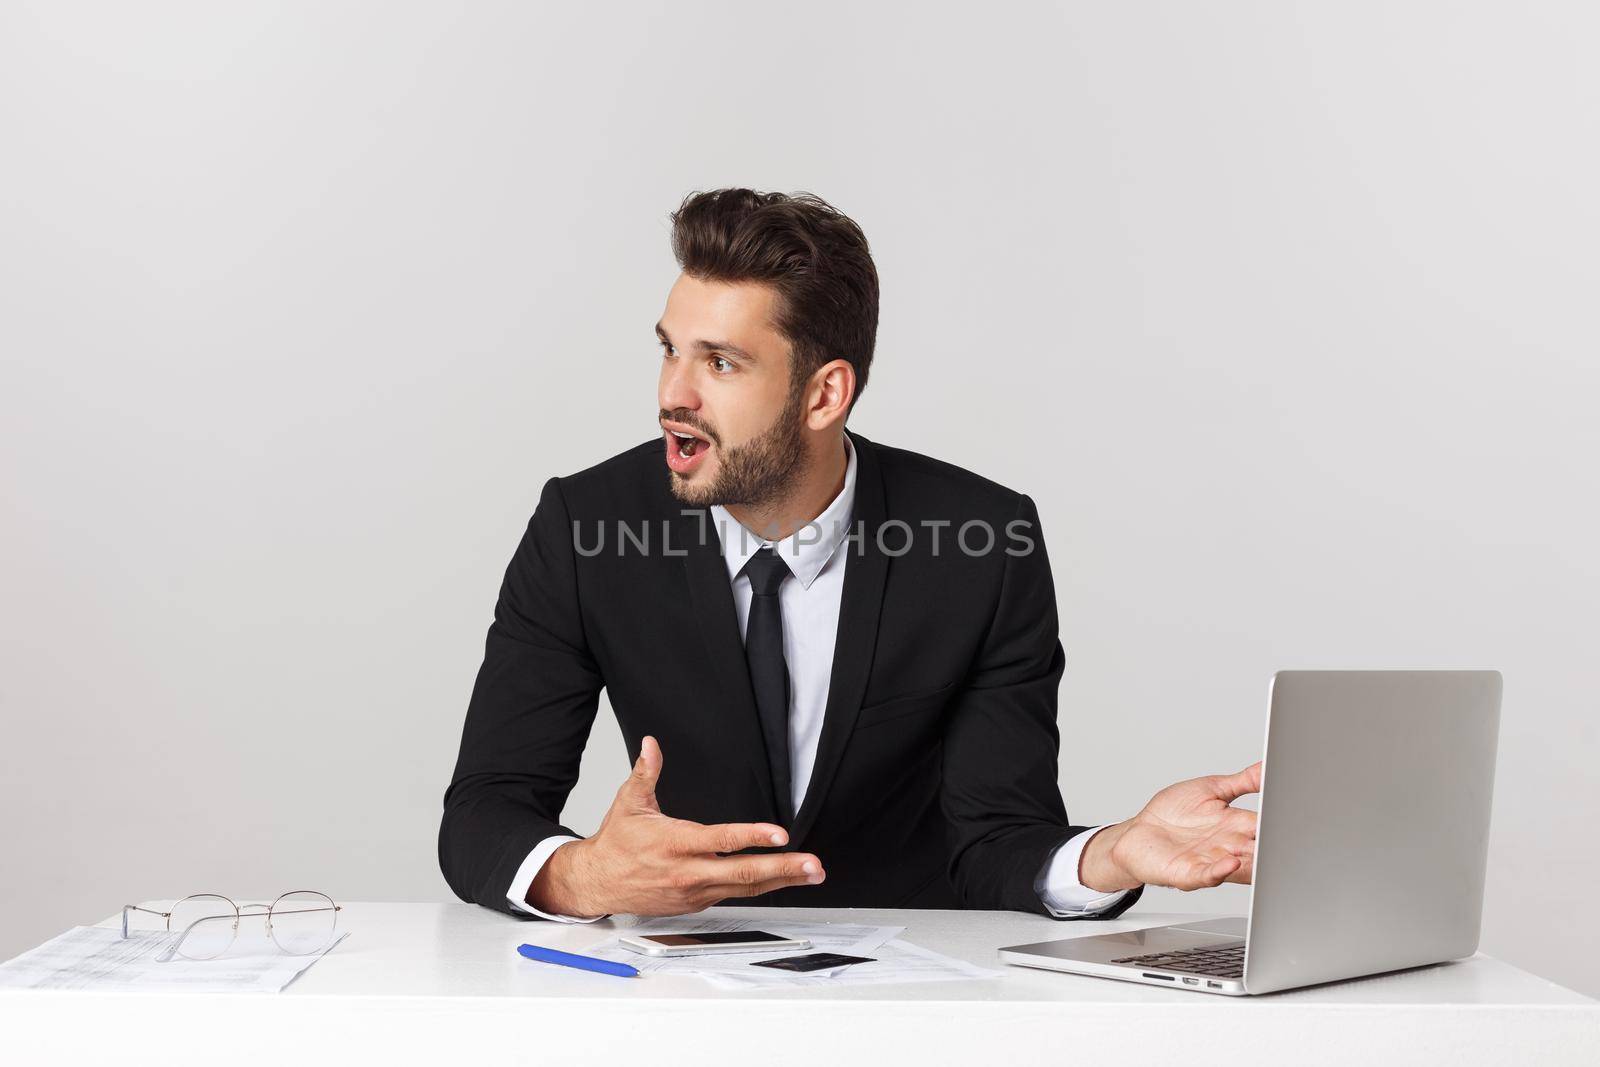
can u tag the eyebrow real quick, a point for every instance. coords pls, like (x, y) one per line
(712, 346)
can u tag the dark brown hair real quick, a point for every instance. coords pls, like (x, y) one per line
(815, 257)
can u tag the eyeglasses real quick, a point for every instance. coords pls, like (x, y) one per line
(300, 923)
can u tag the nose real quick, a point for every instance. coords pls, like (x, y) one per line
(677, 388)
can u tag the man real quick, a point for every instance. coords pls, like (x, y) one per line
(848, 652)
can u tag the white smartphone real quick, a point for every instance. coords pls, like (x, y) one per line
(692, 944)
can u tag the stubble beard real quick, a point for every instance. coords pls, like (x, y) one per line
(757, 472)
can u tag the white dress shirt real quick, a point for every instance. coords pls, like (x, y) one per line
(809, 605)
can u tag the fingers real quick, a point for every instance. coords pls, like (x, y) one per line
(639, 791)
(735, 890)
(1206, 870)
(1234, 846)
(1230, 843)
(1219, 871)
(1244, 847)
(1245, 872)
(1230, 787)
(1226, 857)
(728, 837)
(1241, 821)
(750, 875)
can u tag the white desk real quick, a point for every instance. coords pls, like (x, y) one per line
(443, 983)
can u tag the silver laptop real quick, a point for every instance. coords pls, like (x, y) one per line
(1370, 850)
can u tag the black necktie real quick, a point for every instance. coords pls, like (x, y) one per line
(769, 674)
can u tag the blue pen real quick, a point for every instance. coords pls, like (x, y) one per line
(582, 963)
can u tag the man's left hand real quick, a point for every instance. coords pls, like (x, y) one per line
(1190, 836)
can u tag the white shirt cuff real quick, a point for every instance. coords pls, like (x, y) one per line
(523, 881)
(1059, 889)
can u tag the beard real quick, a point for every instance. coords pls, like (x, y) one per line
(757, 472)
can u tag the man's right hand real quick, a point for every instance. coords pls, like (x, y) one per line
(642, 862)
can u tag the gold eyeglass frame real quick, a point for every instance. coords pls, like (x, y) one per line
(239, 912)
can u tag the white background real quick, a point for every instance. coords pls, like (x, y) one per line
(1283, 313)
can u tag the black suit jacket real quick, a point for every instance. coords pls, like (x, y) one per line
(935, 777)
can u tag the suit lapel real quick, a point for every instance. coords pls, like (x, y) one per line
(730, 702)
(859, 607)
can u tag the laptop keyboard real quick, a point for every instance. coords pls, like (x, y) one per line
(1216, 961)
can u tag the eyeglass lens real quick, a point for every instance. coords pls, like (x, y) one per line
(302, 922)
(210, 921)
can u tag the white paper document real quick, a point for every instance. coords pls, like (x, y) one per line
(896, 963)
(894, 960)
(98, 959)
(846, 938)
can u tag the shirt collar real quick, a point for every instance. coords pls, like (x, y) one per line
(809, 548)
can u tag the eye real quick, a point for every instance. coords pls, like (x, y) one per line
(666, 349)
(728, 364)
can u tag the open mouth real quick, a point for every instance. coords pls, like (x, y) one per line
(688, 444)
(686, 449)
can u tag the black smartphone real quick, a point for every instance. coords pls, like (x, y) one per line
(814, 961)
